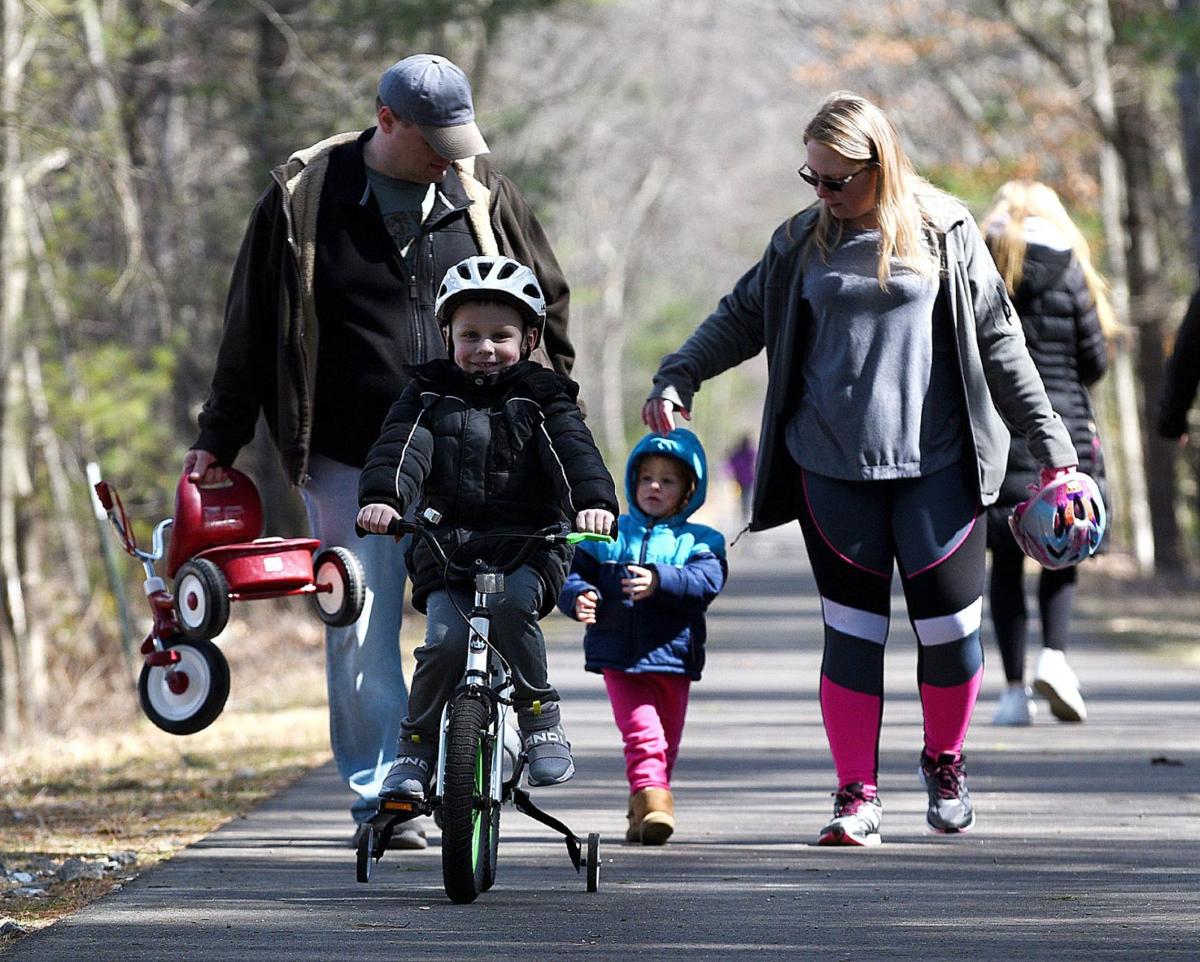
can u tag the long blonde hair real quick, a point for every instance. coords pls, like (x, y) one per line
(856, 129)
(1004, 230)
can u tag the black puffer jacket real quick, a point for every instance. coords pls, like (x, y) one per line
(1062, 332)
(492, 453)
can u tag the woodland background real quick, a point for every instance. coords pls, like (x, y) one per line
(658, 142)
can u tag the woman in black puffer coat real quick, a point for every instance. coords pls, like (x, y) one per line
(1066, 315)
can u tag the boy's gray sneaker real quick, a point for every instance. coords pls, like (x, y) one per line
(950, 808)
(857, 814)
(547, 751)
(412, 771)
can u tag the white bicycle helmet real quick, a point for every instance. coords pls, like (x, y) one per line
(508, 280)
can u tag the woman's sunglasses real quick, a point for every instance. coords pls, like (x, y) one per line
(836, 185)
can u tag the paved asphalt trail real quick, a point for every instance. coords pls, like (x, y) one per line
(1085, 847)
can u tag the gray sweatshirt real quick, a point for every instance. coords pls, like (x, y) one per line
(880, 396)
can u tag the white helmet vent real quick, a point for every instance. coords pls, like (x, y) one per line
(510, 280)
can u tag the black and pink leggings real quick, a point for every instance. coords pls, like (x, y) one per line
(855, 531)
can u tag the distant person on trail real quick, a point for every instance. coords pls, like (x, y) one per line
(891, 343)
(493, 442)
(741, 466)
(1065, 312)
(643, 599)
(332, 297)
(1182, 375)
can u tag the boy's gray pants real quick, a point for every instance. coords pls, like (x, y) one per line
(441, 661)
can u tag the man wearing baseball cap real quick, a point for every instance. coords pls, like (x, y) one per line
(332, 296)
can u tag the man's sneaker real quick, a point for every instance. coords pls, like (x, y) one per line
(1054, 680)
(1016, 706)
(950, 808)
(547, 751)
(857, 813)
(412, 771)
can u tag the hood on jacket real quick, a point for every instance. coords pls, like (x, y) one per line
(682, 445)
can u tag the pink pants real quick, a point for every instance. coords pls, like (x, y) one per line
(649, 709)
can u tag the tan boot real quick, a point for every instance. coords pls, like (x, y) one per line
(635, 814)
(654, 809)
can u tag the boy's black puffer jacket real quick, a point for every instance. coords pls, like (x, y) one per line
(492, 453)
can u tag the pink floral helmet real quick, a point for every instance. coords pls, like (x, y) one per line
(1063, 523)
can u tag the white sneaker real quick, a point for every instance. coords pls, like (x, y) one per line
(1054, 680)
(1015, 707)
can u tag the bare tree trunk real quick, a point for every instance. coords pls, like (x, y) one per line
(1188, 93)
(17, 48)
(1129, 460)
(136, 261)
(1135, 142)
(60, 489)
(12, 474)
(615, 253)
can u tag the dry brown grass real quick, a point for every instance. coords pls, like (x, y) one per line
(135, 792)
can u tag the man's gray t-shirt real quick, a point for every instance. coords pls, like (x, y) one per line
(403, 206)
(882, 397)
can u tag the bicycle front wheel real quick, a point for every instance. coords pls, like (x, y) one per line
(466, 802)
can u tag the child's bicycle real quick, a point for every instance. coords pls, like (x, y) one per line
(469, 785)
(215, 558)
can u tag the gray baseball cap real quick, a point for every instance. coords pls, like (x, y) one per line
(434, 94)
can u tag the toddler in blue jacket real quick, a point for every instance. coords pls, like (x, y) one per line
(643, 599)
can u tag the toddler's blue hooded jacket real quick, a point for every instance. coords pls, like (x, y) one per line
(665, 632)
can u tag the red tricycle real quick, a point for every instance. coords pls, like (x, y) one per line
(216, 557)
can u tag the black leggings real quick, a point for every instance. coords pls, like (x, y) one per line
(1056, 598)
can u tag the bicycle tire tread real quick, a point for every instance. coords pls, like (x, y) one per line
(462, 875)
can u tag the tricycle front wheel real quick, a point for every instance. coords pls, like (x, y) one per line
(184, 697)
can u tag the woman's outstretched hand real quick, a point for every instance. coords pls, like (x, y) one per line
(658, 414)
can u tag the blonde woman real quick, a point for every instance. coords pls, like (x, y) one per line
(1064, 309)
(890, 343)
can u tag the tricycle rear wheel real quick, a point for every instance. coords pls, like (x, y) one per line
(340, 572)
(201, 599)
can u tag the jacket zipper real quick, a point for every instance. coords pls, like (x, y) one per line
(633, 614)
(416, 316)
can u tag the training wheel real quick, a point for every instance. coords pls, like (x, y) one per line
(363, 852)
(593, 861)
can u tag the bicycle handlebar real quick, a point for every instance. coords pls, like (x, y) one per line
(551, 534)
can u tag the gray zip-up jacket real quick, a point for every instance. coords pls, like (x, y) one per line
(766, 309)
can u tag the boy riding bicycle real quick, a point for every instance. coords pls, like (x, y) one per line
(495, 443)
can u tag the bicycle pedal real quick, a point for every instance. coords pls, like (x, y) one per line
(398, 805)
